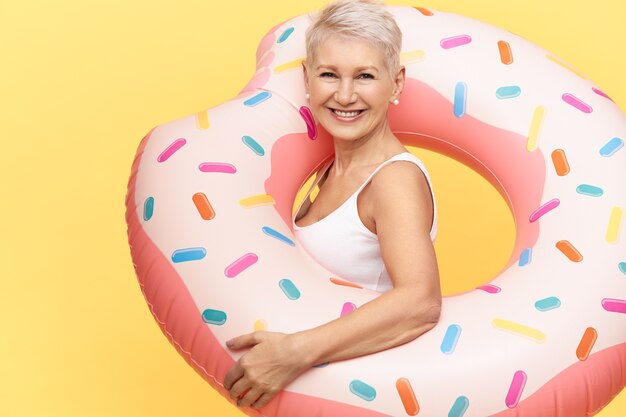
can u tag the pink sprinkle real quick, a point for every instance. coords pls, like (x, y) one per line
(311, 129)
(491, 289)
(455, 41)
(169, 151)
(217, 167)
(516, 388)
(614, 305)
(544, 209)
(601, 93)
(240, 265)
(347, 308)
(576, 102)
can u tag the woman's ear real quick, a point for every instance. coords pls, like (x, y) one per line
(306, 77)
(399, 81)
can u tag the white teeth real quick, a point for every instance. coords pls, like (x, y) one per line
(346, 113)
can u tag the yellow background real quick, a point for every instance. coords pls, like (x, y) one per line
(81, 82)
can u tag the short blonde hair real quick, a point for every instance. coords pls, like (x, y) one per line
(364, 19)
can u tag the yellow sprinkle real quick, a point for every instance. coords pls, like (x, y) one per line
(615, 220)
(519, 329)
(535, 125)
(260, 325)
(565, 65)
(202, 120)
(409, 56)
(289, 65)
(257, 200)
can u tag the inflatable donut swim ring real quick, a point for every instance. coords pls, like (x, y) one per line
(209, 213)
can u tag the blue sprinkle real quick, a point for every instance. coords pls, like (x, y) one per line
(188, 254)
(525, 257)
(611, 147)
(254, 145)
(460, 97)
(148, 208)
(549, 303)
(273, 233)
(321, 365)
(622, 267)
(459, 407)
(217, 317)
(285, 35)
(259, 98)
(510, 91)
(289, 288)
(591, 190)
(450, 339)
(361, 389)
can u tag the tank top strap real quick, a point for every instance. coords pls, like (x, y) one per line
(404, 156)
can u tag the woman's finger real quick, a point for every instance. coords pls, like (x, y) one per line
(262, 401)
(239, 388)
(249, 397)
(232, 376)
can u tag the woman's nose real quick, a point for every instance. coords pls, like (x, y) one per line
(345, 93)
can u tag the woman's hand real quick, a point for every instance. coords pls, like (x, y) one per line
(273, 361)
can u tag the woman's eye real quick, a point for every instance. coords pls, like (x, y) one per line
(366, 76)
(327, 74)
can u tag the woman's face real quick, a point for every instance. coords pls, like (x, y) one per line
(350, 88)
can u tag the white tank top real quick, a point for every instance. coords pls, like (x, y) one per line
(342, 244)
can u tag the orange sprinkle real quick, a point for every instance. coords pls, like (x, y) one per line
(560, 162)
(425, 12)
(506, 56)
(203, 206)
(586, 343)
(407, 396)
(569, 250)
(338, 281)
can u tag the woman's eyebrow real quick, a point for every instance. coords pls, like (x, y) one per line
(366, 67)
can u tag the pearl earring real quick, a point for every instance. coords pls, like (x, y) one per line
(307, 95)
(395, 101)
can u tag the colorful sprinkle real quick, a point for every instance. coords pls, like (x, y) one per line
(520, 330)
(289, 288)
(576, 102)
(586, 343)
(460, 406)
(203, 206)
(535, 127)
(506, 56)
(622, 267)
(450, 339)
(260, 325)
(601, 93)
(614, 222)
(516, 388)
(525, 257)
(285, 35)
(217, 167)
(273, 233)
(343, 283)
(217, 317)
(590, 190)
(424, 11)
(548, 304)
(170, 150)
(490, 288)
(614, 305)
(362, 390)
(565, 65)
(460, 98)
(257, 99)
(321, 365)
(257, 200)
(240, 265)
(311, 128)
(510, 91)
(254, 145)
(296, 63)
(569, 250)
(543, 209)
(188, 254)
(409, 56)
(455, 41)
(559, 160)
(347, 308)
(202, 119)
(148, 208)
(407, 396)
(611, 147)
